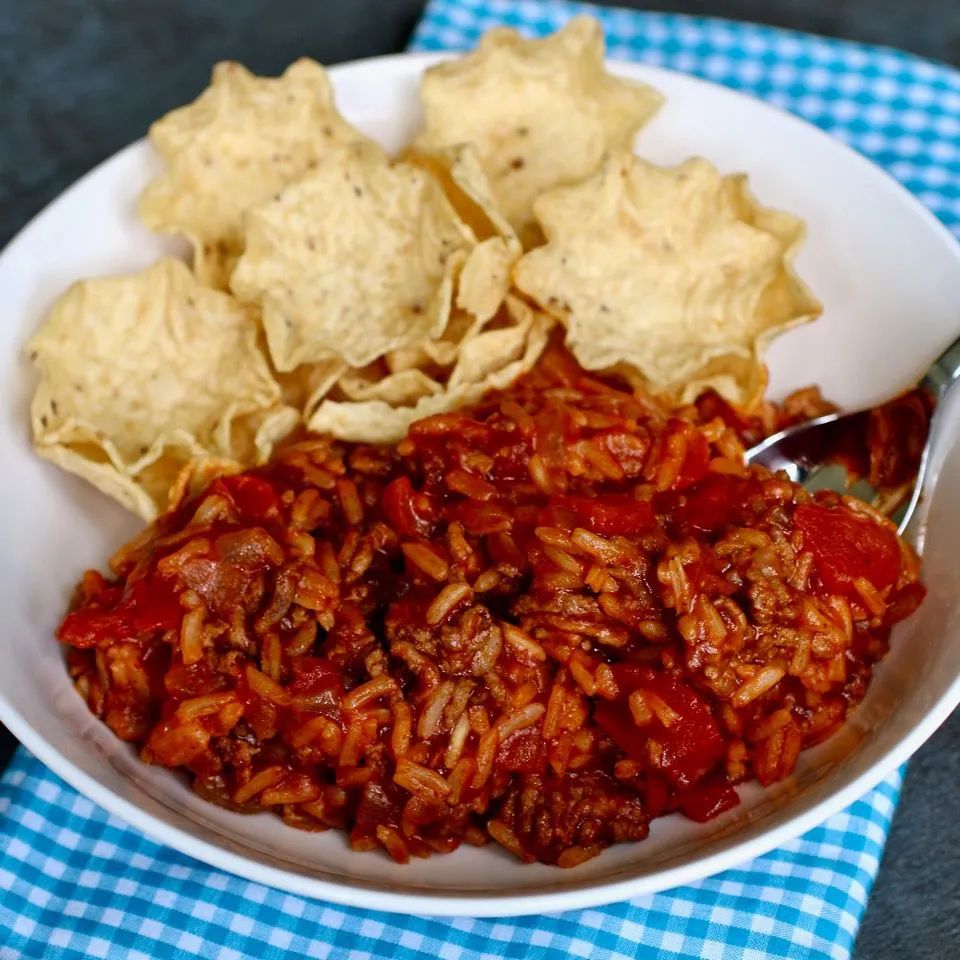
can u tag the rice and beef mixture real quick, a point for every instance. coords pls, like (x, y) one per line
(543, 620)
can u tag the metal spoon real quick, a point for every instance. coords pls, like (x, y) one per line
(807, 452)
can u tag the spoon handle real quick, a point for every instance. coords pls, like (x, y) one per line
(943, 372)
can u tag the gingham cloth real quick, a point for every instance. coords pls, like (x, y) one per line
(77, 883)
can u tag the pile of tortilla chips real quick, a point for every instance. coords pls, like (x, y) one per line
(338, 288)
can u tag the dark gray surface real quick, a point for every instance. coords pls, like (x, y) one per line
(81, 78)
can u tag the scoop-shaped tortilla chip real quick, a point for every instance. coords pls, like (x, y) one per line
(485, 278)
(488, 359)
(486, 275)
(237, 145)
(357, 258)
(490, 348)
(459, 170)
(676, 272)
(437, 354)
(306, 386)
(540, 112)
(144, 374)
(399, 389)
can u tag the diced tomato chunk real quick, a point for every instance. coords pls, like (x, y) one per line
(717, 501)
(88, 626)
(313, 675)
(146, 606)
(614, 717)
(608, 514)
(708, 799)
(695, 463)
(630, 676)
(399, 505)
(254, 498)
(690, 746)
(657, 794)
(846, 547)
(153, 604)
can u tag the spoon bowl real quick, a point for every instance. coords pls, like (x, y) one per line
(832, 452)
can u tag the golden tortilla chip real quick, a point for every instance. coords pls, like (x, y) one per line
(478, 351)
(731, 376)
(356, 259)
(489, 360)
(487, 349)
(459, 170)
(541, 113)
(399, 389)
(141, 375)
(674, 271)
(304, 387)
(236, 146)
(439, 354)
(485, 278)
(268, 429)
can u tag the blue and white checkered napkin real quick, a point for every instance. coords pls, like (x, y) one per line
(77, 883)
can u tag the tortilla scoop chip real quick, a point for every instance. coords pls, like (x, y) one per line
(304, 387)
(147, 494)
(460, 172)
(489, 348)
(676, 272)
(481, 350)
(237, 145)
(398, 389)
(485, 278)
(730, 376)
(356, 259)
(540, 113)
(143, 374)
(437, 356)
(489, 360)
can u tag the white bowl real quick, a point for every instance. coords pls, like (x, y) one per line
(889, 276)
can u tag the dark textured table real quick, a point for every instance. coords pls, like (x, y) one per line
(82, 78)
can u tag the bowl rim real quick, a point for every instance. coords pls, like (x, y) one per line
(589, 893)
